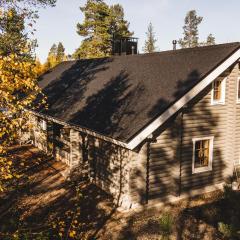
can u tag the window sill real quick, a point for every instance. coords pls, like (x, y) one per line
(218, 103)
(201, 170)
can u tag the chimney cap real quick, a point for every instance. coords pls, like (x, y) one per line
(174, 44)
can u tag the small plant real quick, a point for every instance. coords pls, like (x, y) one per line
(166, 225)
(225, 229)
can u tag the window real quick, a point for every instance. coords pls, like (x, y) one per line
(218, 91)
(202, 154)
(238, 90)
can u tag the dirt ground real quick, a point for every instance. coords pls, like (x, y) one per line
(43, 205)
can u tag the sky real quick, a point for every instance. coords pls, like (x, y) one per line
(220, 17)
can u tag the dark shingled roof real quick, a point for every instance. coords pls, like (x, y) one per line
(119, 96)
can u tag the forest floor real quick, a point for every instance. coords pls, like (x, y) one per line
(43, 205)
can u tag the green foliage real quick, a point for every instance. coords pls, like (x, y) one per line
(60, 55)
(190, 30)
(56, 55)
(226, 230)
(119, 27)
(166, 225)
(191, 34)
(210, 40)
(101, 23)
(29, 3)
(12, 37)
(149, 46)
(14, 16)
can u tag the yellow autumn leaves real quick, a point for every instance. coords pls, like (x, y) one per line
(69, 226)
(18, 90)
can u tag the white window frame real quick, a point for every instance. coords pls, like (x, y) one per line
(223, 93)
(209, 167)
(238, 80)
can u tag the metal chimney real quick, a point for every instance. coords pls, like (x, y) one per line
(124, 46)
(133, 50)
(174, 42)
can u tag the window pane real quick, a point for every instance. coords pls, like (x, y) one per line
(206, 144)
(201, 153)
(198, 145)
(217, 90)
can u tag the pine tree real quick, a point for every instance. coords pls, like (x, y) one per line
(52, 57)
(60, 54)
(119, 27)
(56, 55)
(26, 3)
(149, 46)
(190, 28)
(53, 50)
(12, 37)
(100, 23)
(210, 40)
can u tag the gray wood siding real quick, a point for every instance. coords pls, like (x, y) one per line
(109, 166)
(164, 168)
(237, 132)
(199, 119)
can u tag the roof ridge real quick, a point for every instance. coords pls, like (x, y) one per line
(180, 50)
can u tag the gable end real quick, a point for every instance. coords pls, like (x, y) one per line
(153, 126)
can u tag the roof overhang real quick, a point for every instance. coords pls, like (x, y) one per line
(81, 129)
(153, 126)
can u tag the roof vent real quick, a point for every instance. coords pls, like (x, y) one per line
(174, 42)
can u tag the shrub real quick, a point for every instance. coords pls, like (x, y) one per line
(226, 230)
(166, 225)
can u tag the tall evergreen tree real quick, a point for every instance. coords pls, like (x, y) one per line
(52, 57)
(210, 40)
(56, 55)
(12, 36)
(149, 46)
(60, 54)
(190, 29)
(53, 50)
(119, 27)
(26, 3)
(100, 23)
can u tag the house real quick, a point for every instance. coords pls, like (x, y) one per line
(147, 128)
